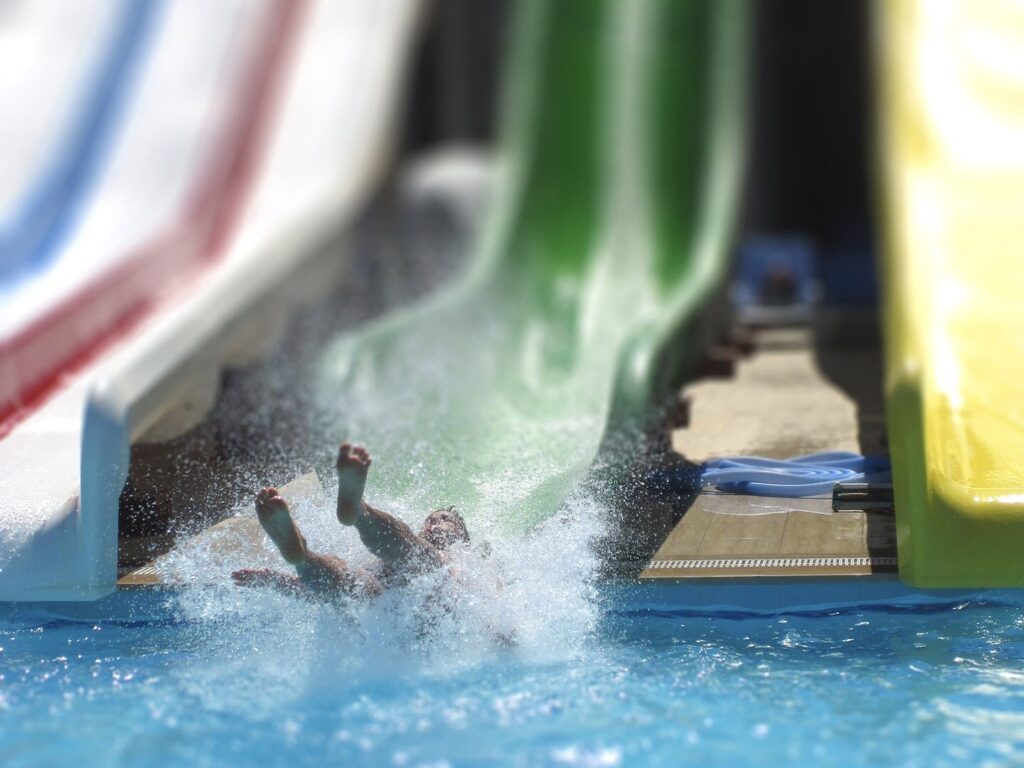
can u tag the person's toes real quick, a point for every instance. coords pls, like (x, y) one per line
(264, 496)
(269, 501)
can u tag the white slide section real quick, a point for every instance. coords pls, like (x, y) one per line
(327, 149)
(145, 183)
(57, 43)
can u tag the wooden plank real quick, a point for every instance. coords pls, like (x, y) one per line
(686, 538)
(744, 535)
(716, 528)
(828, 534)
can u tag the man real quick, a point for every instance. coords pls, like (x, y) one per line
(402, 552)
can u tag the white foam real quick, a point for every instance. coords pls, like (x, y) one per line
(529, 596)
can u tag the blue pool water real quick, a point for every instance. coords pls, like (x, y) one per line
(232, 679)
(519, 659)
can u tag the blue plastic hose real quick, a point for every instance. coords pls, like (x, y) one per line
(811, 475)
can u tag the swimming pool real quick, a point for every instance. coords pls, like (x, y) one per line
(232, 678)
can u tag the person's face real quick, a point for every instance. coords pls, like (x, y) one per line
(443, 528)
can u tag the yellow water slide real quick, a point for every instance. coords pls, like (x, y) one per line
(951, 144)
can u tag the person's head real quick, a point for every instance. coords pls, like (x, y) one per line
(443, 527)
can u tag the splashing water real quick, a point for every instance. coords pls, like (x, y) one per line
(458, 409)
(497, 597)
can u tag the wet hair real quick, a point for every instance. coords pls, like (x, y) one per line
(462, 533)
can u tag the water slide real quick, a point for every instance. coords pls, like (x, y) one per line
(609, 235)
(952, 133)
(248, 133)
(616, 197)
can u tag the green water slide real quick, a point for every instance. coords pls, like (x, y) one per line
(618, 187)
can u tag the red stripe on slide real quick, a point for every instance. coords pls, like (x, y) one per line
(39, 358)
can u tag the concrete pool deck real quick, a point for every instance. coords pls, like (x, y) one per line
(799, 391)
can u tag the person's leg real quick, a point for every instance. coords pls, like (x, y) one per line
(321, 573)
(353, 464)
(384, 535)
(329, 575)
(276, 519)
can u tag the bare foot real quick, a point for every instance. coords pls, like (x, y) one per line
(277, 521)
(353, 463)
